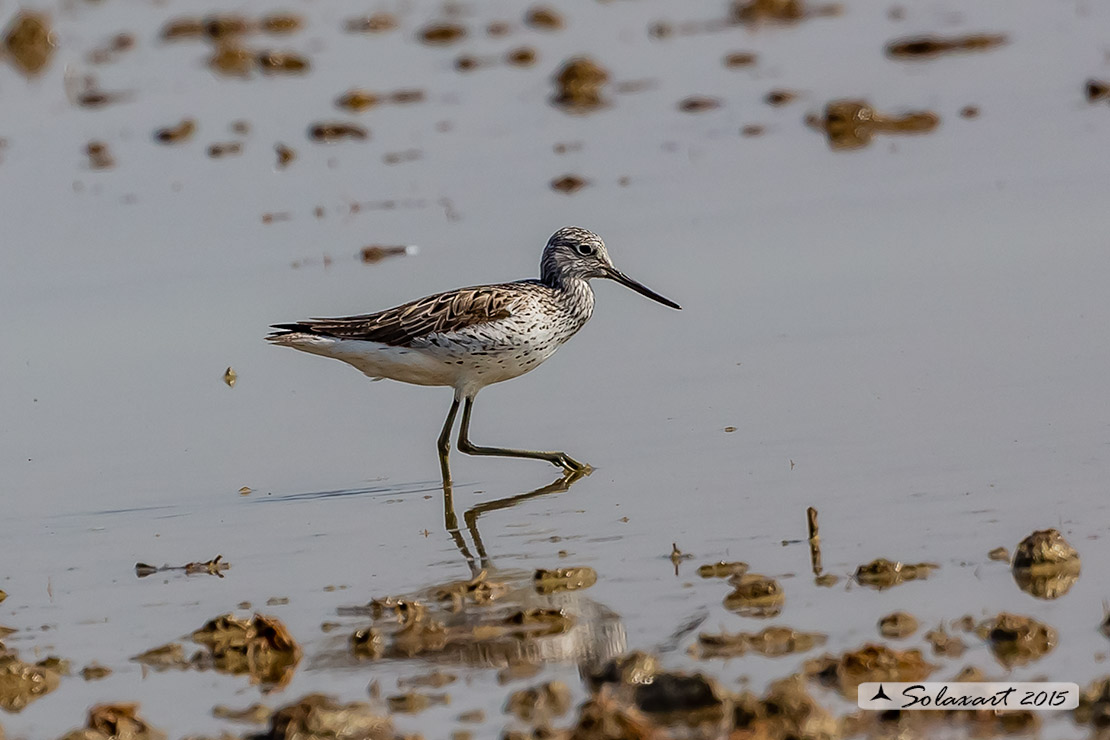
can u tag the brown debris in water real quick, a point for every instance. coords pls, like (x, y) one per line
(176, 134)
(442, 34)
(171, 655)
(944, 644)
(631, 668)
(467, 63)
(755, 595)
(786, 711)
(98, 98)
(473, 715)
(60, 666)
(458, 619)
(569, 184)
(604, 717)
(215, 27)
(1045, 565)
(518, 671)
(406, 155)
(420, 636)
(524, 56)
(897, 625)
(21, 683)
(231, 59)
(230, 378)
(223, 26)
(414, 702)
(1094, 706)
(28, 42)
(333, 131)
(872, 662)
(541, 703)
(644, 703)
(260, 647)
(1046, 547)
(99, 156)
(377, 253)
(213, 567)
(403, 97)
(115, 722)
(436, 679)
(539, 622)
(281, 62)
(374, 23)
(477, 590)
(95, 672)
(357, 100)
(780, 97)
(916, 47)
(882, 573)
(563, 579)
(543, 18)
(1015, 640)
(680, 698)
(752, 130)
(851, 124)
(320, 717)
(111, 49)
(740, 59)
(771, 642)
(1096, 90)
(722, 569)
(255, 714)
(754, 12)
(224, 149)
(1000, 554)
(182, 28)
(285, 155)
(280, 23)
(368, 643)
(698, 104)
(579, 85)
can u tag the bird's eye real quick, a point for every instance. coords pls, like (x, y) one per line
(585, 249)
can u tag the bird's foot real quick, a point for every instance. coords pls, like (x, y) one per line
(570, 465)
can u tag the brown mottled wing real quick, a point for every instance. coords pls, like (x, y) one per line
(400, 326)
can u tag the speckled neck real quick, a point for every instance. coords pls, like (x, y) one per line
(576, 298)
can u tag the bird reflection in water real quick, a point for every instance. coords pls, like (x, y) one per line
(470, 516)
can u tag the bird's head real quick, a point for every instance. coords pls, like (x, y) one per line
(573, 252)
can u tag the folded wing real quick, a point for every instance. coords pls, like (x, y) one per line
(401, 326)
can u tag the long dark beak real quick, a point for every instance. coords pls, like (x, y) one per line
(614, 274)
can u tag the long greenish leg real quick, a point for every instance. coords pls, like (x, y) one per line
(560, 459)
(444, 444)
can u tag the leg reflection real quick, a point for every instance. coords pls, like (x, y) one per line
(470, 516)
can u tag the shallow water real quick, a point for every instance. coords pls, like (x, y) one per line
(910, 337)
